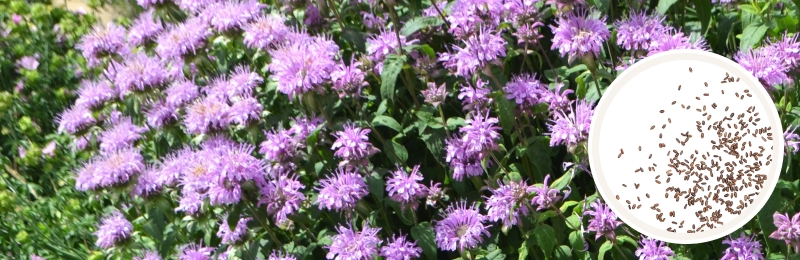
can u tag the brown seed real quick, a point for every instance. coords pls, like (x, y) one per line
(652, 127)
(617, 197)
(705, 83)
(690, 69)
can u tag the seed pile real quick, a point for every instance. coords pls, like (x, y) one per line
(715, 182)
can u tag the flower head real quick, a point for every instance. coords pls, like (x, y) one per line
(144, 28)
(348, 80)
(464, 164)
(435, 95)
(507, 203)
(480, 49)
(195, 252)
(404, 187)
(603, 222)
(92, 94)
(744, 247)
(279, 146)
(355, 245)
(146, 184)
(462, 228)
(545, 196)
(467, 16)
(352, 144)
(206, 114)
(671, 39)
(475, 96)
(788, 229)
(635, 33)
(122, 134)
(304, 126)
(181, 92)
(788, 49)
(529, 34)
(400, 249)
(275, 255)
(792, 139)
(435, 193)
(28, 63)
(580, 33)
(283, 196)
(229, 236)
(113, 229)
(653, 250)
(341, 190)
(75, 119)
(231, 14)
(303, 64)
(525, 90)
(557, 100)
(245, 110)
(110, 169)
(385, 43)
(102, 41)
(139, 73)
(158, 113)
(569, 129)
(766, 64)
(480, 135)
(147, 255)
(265, 31)
(183, 39)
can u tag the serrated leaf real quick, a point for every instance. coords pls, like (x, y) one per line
(544, 237)
(752, 35)
(664, 5)
(703, 8)
(423, 234)
(417, 23)
(392, 67)
(387, 122)
(603, 249)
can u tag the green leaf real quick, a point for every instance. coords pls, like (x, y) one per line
(392, 67)
(387, 122)
(425, 114)
(787, 24)
(752, 35)
(540, 159)
(423, 234)
(581, 91)
(563, 252)
(523, 250)
(355, 37)
(417, 23)
(427, 50)
(703, 8)
(765, 219)
(750, 9)
(376, 184)
(574, 222)
(562, 181)
(603, 249)
(506, 112)
(627, 239)
(233, 217)
(435, 143)
(664, 5)
(400, 154)
(545, 238)
(576, 242)
(455, 122)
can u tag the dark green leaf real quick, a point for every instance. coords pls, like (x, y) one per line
(752, 35)
(455, 122)
(376, 184)
(506, 112)
(435, 143)
(576, 242)
(388, 122)
(417, 23)
(603, 249)
(747, 8)
(399, 154)
(664, 5)
(563, 253)
(233, 217)
(392, 67)
(545, 238)
(703, 8)
(423, 234)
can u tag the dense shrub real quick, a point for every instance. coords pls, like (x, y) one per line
(353, 130)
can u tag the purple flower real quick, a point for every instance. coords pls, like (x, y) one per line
(744, 247)
(603, 221)
(140, 73)
(529, 34)
(385, 43)
(653, 250)
(558, 100)
(463, 163)
(545, 196)
(341, 190)
(49, 149)
(672, 39)
(373, 21)
(303, 64)
(183, 39)
(788, 229)
(93, 94)
(275, 255)
(283, 196)
(580, 33)
(766, 64)
(475, 96)
(146, 183)
(313, 18)
(158, 113)
(352, 144)
(353, 245)
(569, 129)
(435, 95)
(242, 82)
(400, 249)
(480, 49)
(245, 110)
(122, 134)
(28, 63)
(348, 80)
(279, 147)
(304, 126)
(435, 193)
(75, 119)
(102, 41)
(147, 255)
(525, 90)
(792, 139)
(566, 5)
(789, 50)
(144, 28)
(190, 202)
(149, 3)
(231, 14)
(113, 229)
(265, 31)
(16, 18)
(181, 92)
(110, 169)
(507, 203)
(466, 16)
(236, 235)
(231, 164)
(462, 228)
(404, 188)
(521, 11)
(196, 252)
(195, 6)
(636, 32)
(206, 114)
(479, 135)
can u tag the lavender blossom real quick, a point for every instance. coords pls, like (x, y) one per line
(196, 252)
(313, 18)
(146, 185)
(463, 163)
(507, 203)
(637, 31)
(792, 139)
(520, 11)
(466, 16)
(400, 249)
(244, 111)
(557, 99)
(569, 129)
(236, 235)
(144, 28)
(122, 134)
(528, 34)
(653, 249)
(206, 114)
(462, 228)
(113, 229)
(525, 90)
(580, 33)
(373, 21)
(302, 65)
(283, 196)
(265, 31)
(110, 169)
(475, 96)
(183, 39)
(788, 49)
(149, 3)
(242, 82)
(158, 113)
(93, 94)
(788, 229)
(766, 64)
(28, 63)
(351, 244)
(672, 39)
(75, 119)
(545, 197)
(231, 14)
(195, 6)
(275, 255)
(348, 80)
(49, 149)
(140, 73)
(181, 92)
(479, 135)
(385, 43)
(147, 255)
(279, 146)
(744, 247)
(434, 95)
(404, 187)
(102, 41)
(603, 222)
(341, 190)
(435, 194)
(352, 144)
(304, 126)
(480, 49)
(232, 164)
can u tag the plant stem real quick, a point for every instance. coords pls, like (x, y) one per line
(596, 84)
(264, 225)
